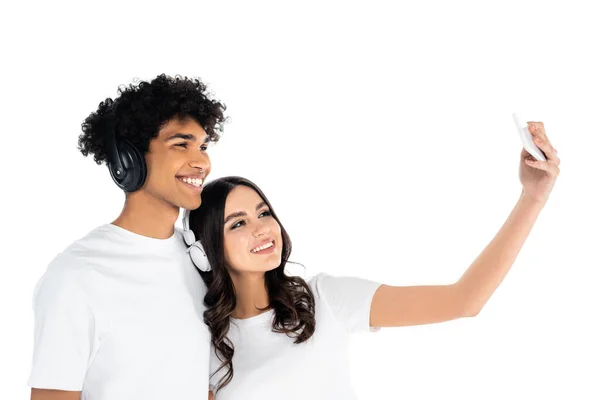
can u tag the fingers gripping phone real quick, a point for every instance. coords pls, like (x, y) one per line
(527, 139)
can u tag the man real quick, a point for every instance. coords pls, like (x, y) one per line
(119, 313)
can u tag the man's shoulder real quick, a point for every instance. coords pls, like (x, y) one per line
(71, 270)
(74, 257)
(98, 243)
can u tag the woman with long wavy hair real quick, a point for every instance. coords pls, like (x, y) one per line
(276, 336)
(271, 330)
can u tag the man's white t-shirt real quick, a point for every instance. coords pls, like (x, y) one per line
(268, 365)
(120, 316)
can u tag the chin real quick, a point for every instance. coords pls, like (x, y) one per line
(270, 266)
(190, 205)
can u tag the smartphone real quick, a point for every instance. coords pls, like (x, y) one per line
(527, 139)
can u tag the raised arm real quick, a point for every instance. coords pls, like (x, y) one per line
(419, 305)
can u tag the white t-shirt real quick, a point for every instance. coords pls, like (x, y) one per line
(120, 316)
(268, 365)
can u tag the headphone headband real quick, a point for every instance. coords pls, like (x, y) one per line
(188, 234)
(195, 248)
(186, 220)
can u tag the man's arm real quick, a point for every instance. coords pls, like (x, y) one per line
(47, 394)
(65, 333)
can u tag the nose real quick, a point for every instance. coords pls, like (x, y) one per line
(201, 161)
(261, 230)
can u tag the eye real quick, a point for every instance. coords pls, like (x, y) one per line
(266, 213)
(238, 224)
(184, 145)
(204, 147)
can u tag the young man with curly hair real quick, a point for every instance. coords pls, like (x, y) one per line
(118, 313)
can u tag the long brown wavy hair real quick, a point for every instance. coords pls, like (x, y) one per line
(289, 296)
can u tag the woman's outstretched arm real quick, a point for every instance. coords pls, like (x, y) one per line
(419, 305)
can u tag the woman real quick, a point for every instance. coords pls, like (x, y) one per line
(276, 336)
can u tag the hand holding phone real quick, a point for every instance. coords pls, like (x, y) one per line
(527, 139)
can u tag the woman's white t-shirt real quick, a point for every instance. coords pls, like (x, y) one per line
(268, 365)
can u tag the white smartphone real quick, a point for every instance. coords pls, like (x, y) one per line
(527, 139)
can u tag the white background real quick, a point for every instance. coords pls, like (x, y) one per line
(382, 134)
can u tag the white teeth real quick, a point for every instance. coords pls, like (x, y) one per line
(192, 181)
(266, 246)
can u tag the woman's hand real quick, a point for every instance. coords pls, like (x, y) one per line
(538, 177)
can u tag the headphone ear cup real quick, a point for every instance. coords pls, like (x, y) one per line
(135, 166)
(199, 257)
(189, 237)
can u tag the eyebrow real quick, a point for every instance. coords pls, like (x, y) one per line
(241, 213)
(185, 136)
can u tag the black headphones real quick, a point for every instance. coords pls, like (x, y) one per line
(126, 164)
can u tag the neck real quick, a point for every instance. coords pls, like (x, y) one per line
(148, 216)
(251, 294)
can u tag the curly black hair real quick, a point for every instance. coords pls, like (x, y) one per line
(139, 112)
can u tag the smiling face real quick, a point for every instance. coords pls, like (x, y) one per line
(178, 163)
(251, 235)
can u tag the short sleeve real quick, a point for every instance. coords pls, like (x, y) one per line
(349, 299)
(64, 332)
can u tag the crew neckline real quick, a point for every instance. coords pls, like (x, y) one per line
(257, 319)
(141, 239)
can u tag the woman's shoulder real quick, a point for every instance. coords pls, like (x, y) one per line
(318, 283)
(333, 286)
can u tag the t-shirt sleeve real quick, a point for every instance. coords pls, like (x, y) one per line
(64, 331)
(349, 299)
